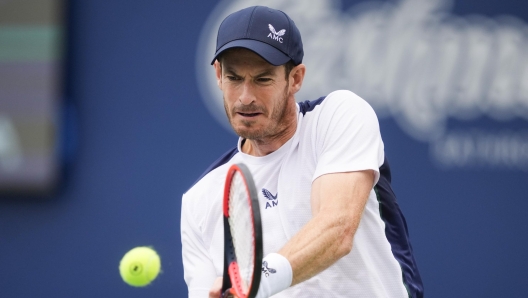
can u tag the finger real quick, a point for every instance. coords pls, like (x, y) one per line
(230, 294)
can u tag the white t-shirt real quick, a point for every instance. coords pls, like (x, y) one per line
(336, 133)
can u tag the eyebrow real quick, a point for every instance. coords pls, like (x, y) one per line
(230, 71)
(267, 72)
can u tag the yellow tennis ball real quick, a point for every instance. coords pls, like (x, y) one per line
(140, 266)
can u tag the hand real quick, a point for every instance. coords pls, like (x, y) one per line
(216, 289)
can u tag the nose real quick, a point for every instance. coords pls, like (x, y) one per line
(247, 96)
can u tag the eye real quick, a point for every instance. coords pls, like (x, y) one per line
(263, 80)
(232, 78)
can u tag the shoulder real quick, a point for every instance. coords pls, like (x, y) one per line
(337, 100)
(212, 177)
(345, 99)
(201, 191)
(222, 160)
(204, 196)
(337, 106)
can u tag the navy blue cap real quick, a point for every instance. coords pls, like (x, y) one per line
(268, 32)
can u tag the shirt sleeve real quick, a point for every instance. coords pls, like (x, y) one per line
(348, 136)
(199, 272)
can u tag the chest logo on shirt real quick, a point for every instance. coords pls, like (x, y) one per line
(273, 201)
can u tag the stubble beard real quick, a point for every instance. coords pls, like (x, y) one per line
(277, 122)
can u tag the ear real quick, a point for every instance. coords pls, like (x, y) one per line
(218, 70)
(297, 77)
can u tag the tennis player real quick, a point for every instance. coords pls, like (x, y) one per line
(331, 224)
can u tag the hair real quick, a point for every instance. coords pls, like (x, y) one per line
(288, 66)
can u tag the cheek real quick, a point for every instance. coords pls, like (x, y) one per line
(228, 104)
(230, 93)
(229, 96)
(279, 102)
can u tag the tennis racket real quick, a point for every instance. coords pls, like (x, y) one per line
(242, 234)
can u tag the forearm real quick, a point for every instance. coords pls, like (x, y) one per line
(321, 242)
(338, 201)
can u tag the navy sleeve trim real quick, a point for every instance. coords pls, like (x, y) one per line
(397, 233)
(307, 106)
(226, 157)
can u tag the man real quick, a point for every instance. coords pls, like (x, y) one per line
(331, 225)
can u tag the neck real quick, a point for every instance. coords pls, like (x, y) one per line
(265, 146)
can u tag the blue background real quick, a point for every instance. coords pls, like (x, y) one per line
(144, 135)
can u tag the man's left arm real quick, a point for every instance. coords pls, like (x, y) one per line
(349, 152)
(338, 200)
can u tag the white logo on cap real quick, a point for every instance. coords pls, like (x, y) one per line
(276, 35)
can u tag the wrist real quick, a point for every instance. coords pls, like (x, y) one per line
(276, 275)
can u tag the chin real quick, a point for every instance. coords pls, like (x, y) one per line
(249, 134)
(246, 130)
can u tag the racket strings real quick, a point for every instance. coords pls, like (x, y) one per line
(242, 230)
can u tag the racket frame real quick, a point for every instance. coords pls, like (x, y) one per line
(232, 280)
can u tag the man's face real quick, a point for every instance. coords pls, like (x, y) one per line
(256, 95)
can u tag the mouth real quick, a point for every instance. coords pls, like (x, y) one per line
(249, 115)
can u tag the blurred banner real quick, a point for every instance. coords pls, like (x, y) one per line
(31, 56)
(443, 78)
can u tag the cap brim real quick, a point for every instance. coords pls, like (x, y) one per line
(264, 50)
